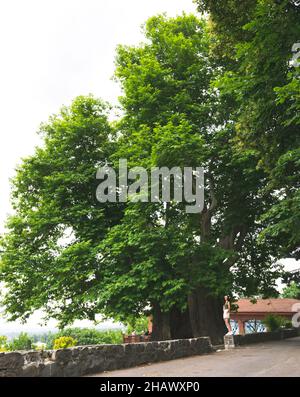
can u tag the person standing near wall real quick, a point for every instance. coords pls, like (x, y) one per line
(226, 314)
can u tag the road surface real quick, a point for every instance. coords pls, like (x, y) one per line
(278, 358)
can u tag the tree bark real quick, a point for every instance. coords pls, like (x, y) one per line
(205, 310)
(180, 324)
(206, 315)
(161, 329)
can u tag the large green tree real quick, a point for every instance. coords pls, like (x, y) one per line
(174, 117)
(75, 257)
(49, 253)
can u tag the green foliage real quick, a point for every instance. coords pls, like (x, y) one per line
(291, 291)
(138, 325)
(67, 337)
(265, 96)
(227, 18)
(3, 349)
(88, 336)
(63, 342)
(173, 116)
(274, 322)
(21, 342)
(39, 346)
(287, 324)
(3, 343)
(184, 105)
(51, 246)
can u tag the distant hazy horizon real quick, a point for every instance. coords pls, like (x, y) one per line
(32, 326)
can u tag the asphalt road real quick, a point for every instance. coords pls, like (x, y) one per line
(278, 358)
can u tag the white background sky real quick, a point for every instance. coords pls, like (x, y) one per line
(51, 51)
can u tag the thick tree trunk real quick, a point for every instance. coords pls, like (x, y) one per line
(173, 325)
(161, 324)
(206, 315)
(180, 324)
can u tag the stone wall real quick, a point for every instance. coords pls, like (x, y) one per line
(84, 360)
(231, 341)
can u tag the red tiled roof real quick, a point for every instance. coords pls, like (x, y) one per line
(267, 306)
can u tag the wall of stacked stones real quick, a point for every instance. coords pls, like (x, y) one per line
(232, 341)
(84, 360)
(247, 339)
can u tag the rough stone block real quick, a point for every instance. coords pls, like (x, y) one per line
(33, 357)
(62, 355)
(229, 342)
(11, 360)
(31, 370)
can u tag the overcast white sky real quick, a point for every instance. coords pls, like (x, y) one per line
(52, 51)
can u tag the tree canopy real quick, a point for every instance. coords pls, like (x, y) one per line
(265, 87)
(186, 102)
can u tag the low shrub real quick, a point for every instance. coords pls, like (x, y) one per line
(138, 325)
(3, 349)
(3, 342)
(21, 342)
(274, 322)
(64, 342)
(88, 336)
(39, 346)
